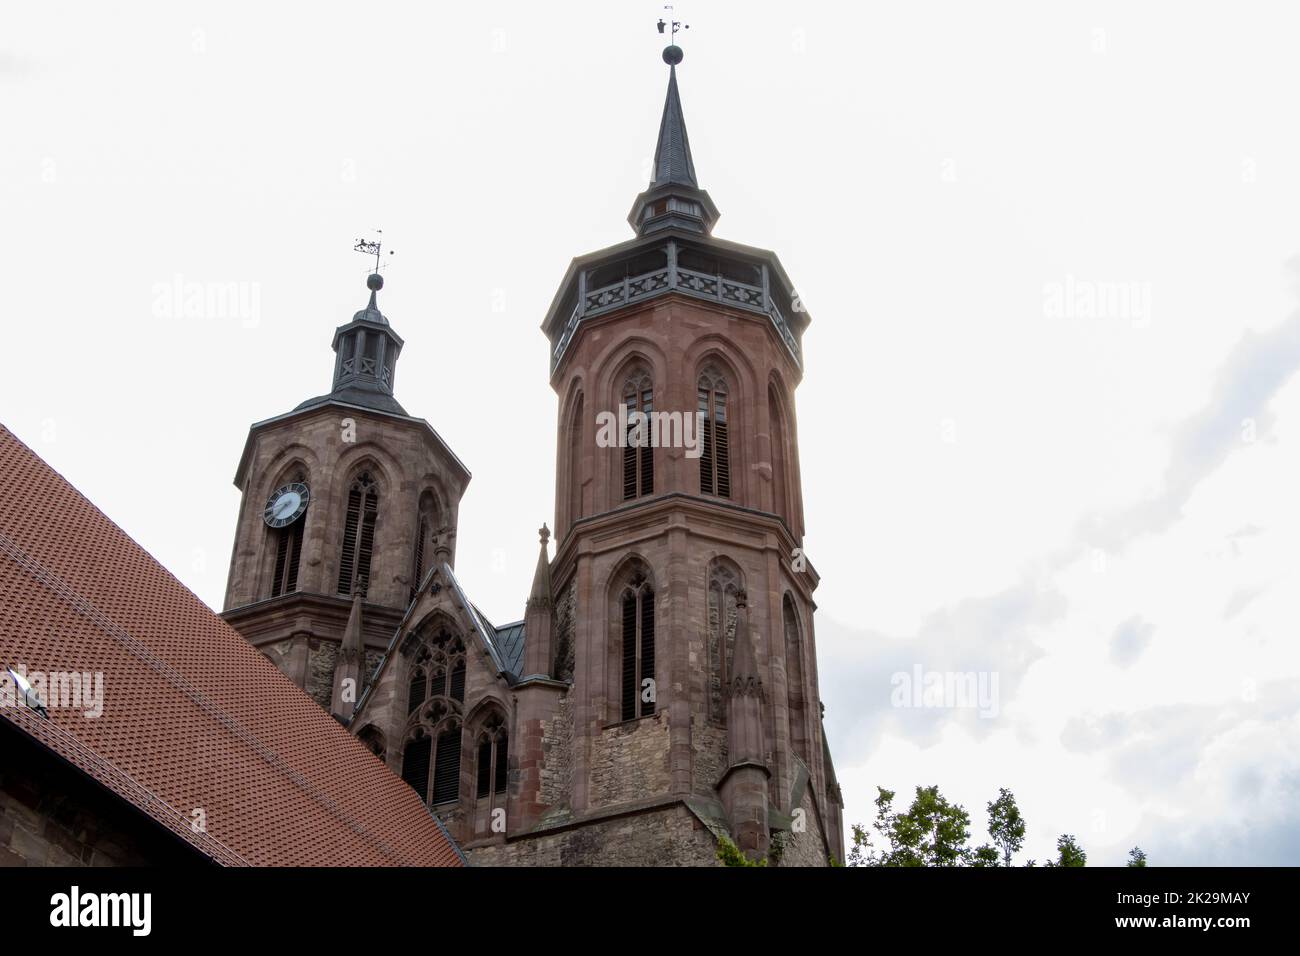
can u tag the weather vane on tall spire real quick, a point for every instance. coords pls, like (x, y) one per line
(374, 248)
(672, 53)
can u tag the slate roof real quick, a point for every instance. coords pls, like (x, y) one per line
(193, 716)
(510, 640)
(673, 163)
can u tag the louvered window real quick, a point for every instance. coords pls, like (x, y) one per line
(457, 689)
(415, 765)
(492, 772)
(638, 646)
(358, 535)
(288, 555)
(638, 455)
(715, 459)
(424, 527)
(446, 770)
(421, 533)
(484, 768)
(439, 685)
(416, 694)
(502, 767)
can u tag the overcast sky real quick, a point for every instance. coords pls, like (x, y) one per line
(1050, 424)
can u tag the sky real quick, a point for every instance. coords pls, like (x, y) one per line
(1050, 420)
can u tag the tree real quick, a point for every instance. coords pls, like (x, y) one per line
(1006, 825)
(933, 832)
(1136, 857)
(1069, 852)
(986, 855)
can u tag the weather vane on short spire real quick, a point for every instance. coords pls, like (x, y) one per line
(672, 26)
(374, 248)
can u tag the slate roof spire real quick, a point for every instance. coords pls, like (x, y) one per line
(674, 196)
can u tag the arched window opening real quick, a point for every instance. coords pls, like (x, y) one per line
(577, 429)
(493, 756)
(715, 459)
(359, 534)
(724, 584)
(418, 691)
(797, 703)
(637, 607)
(288, 549)
(456, 687)
(415, 765)
(780, 481)
(638, 455)
(425, 526)
(446, 767)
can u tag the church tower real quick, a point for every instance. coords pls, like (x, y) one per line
(347, 502)
(682, 609)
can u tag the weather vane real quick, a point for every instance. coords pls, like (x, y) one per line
(374, 248)
(670, 22)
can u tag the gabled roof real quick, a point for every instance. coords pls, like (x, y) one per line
(193, 717)
(504, 645)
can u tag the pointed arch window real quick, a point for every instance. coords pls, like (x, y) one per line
(415, 764)
(359, 534)
(288, 549)
(446, 766)
(418, 691)
(424, 529)
(715, 459)
(780, 479)
(576, 432)
(637, 623)
(493, 754)
(796, 696)
(638, 455)
(724, 585)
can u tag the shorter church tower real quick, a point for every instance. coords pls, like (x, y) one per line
(347, 502)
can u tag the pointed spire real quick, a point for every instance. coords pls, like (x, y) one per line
(353, 643)
(673, 162)
(540, 595)
(674, 197)
(539, 653)
(349, 670)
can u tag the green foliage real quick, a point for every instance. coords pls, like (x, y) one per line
(1006, 825)
(730, 855)
(1069, 852)
(1136, 857)
(986, 855)
(934, 832)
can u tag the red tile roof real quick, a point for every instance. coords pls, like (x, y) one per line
(193, 716)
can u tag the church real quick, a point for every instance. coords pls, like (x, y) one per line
(660, 692)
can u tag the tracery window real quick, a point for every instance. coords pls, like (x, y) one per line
(715, 459)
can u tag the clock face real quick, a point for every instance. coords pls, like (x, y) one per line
(286, 505)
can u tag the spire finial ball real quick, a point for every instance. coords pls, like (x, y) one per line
(673, 55)
(374, 282)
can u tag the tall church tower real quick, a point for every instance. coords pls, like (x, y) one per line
(683, 601)
(347, 502)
